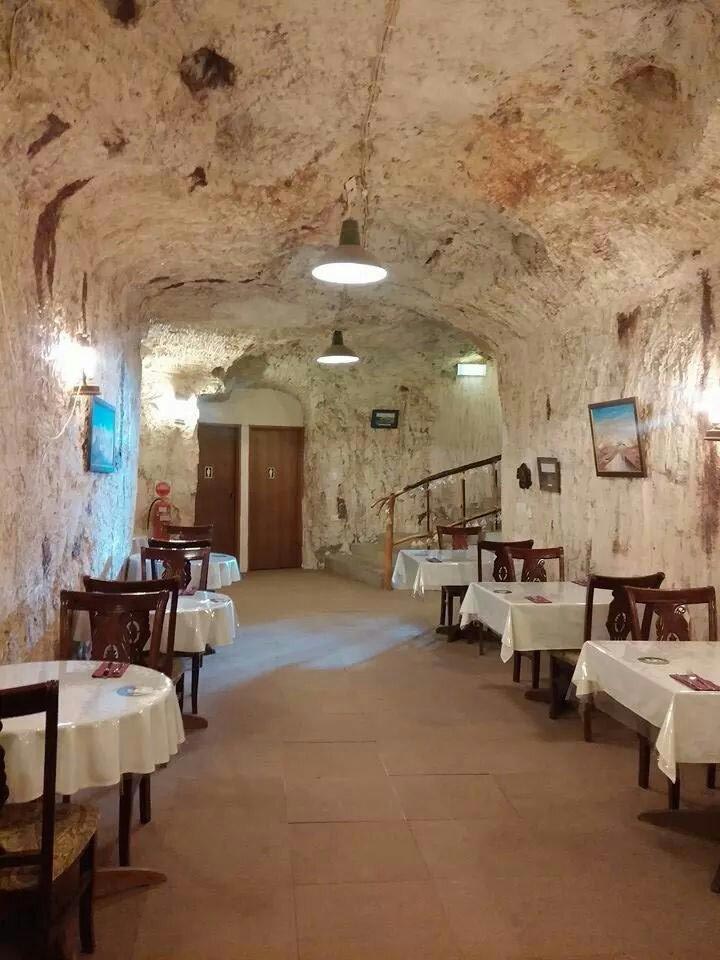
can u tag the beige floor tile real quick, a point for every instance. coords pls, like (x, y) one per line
(325, 799)
(303, 761)
(354, 852)
(451, 797)
(372, 921)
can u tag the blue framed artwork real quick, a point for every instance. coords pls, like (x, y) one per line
(616, 438)
(102, 437)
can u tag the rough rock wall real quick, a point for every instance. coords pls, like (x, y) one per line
(443, 422)
(664, 352)
(57, 521)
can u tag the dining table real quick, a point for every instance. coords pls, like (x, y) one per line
(431, 569)
(640, 676)
(534, 616)
(107, 726)
(223, 570)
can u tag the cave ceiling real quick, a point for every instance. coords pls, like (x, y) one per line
(515, 163)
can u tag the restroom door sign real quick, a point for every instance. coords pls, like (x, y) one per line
(209, 473)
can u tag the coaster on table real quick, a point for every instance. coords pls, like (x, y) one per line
(695, 682)
(539, 599)
(434, 560)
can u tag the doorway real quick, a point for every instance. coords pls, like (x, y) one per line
(217, 501)
(275, 498)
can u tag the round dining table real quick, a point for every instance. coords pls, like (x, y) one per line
(203, 619)
(222, 570)
(106, 727)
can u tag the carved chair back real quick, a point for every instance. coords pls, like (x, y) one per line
(22, 702)
(459, 536)
(618, 622)
(503, 567)
(533, 562)
(671, 611)
(175, 562)
(170, 586)
(120, 625)
(176, 531)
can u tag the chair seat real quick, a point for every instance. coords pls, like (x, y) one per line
(566, 656)
(20, 831)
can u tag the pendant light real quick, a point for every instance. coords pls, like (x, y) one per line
(337, 352)
(349, 262)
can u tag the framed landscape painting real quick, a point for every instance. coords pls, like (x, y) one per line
(616, 438)
(102, 437)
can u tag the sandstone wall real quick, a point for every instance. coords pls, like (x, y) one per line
(57, 521)
(664, 352)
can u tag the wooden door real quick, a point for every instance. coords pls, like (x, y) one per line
(218, 489)
(275, 498)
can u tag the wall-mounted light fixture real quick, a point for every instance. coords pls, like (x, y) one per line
(711, 406)
(476, 368)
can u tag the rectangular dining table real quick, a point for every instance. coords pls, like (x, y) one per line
(524, 625)
(688, 720)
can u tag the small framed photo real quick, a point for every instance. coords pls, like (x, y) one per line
(616, 438)
(549, 474)
(385, 419)
(102, 437)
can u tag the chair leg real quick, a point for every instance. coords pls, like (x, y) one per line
(443, 607)
(196, 664)
(517, 663)
(452, 629)
(674, 793)
(715, 885)
(587, 712)
(711, 776)
(125, 819)
(558, 689)
(145, 799)
(643, 762)
(480, 628)
(535, 669)
(85, 907)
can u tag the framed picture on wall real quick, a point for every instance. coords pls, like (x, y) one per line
(385, 419)
(101, 458)
(616, 438)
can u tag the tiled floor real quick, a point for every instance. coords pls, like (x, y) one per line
(367, 792)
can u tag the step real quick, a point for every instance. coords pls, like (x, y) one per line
(354, 568)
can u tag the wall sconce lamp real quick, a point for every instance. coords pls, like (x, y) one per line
(474, 368)
(711, 406)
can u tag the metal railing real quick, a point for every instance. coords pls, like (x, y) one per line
(389, 501)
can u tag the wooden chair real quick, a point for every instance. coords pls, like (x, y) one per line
(670, 610)
(450, 592)
(175, 562)
(563, 662)
(172, 667)
(176, 531)
(503, 570)
(47, 854)
(534, 571)
(119, 630)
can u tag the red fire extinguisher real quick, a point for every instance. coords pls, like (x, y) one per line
(161, 511)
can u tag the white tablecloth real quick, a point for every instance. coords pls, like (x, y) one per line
(688, 720)
(222, 570)
(103, 731)
(201, 619)
(432, 569)
(524, 625)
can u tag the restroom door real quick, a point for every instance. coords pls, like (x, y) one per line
(275, 498)
(216, 501)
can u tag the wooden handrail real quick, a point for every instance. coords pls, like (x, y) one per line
(438, 476)
(387, 503)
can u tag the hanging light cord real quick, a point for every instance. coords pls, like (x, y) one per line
(391, 13)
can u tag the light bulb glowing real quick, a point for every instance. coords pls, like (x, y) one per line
(349, 273)
(337, 352)
(337, 359)
(475, 369)
(75, 360)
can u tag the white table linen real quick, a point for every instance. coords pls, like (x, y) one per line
(524, 625)
(222, 570)
(688, 720)
(103, 731)
(203, 618)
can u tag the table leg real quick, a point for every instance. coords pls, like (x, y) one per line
(192, 721)
(110, 881)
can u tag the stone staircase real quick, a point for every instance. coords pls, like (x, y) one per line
(364, 562)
